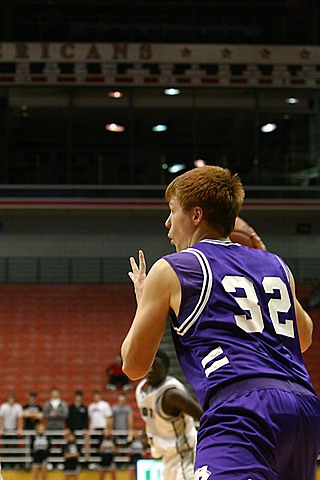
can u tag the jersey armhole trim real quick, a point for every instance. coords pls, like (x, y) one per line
(204, 295)
(285, 268)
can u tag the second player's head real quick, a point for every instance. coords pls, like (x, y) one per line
(159, 370)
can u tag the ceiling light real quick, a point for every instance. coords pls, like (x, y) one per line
(159, 128)
(268, 127)
(114, 127)
(172, 91)
(115, 94)
(199, 163)
(292, 100)
(176, 167)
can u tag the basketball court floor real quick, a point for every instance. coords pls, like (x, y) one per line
(85, 475)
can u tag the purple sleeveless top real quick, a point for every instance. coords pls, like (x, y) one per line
(236, 318)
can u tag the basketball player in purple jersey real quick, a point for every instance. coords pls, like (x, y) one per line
(238, 330)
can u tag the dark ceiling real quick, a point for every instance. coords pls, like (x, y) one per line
(174, 21)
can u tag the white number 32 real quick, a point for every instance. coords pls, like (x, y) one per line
(250, 302)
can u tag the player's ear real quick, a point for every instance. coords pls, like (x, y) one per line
(197, 214)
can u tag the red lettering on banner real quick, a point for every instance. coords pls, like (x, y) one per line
(145, 52)
(45, 50)
(93, 52)
(120, 50)
(67, 51)
(21, 51)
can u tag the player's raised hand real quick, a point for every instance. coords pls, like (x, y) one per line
(138, 274)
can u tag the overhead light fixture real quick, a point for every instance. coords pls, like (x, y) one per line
(268, 127)
(114, 127)
(24, 110)
(172, 91)
(199, 163)
(176, 167)
(292, 100)
(115, 94)
(161, 127)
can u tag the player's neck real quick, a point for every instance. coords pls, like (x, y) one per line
(154, 386)
(206, 231)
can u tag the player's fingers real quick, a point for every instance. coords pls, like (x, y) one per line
(133, 264)
(142, 262)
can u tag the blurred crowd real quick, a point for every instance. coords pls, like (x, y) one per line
(99, 435)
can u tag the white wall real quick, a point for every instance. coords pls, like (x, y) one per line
(79, 233)
(117, 233)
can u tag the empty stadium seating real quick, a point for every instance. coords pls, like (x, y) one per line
(62, 335)
(66, 336)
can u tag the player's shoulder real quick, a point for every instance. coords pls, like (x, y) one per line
(162, 275)
(190, 258)
(173, 382)
(169, 384)
(140, 386)
(160, 266)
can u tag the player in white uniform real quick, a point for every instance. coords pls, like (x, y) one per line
(169, 412)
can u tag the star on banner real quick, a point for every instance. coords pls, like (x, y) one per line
(226, 53)
(186, 52)
(304, 54)
(265, 53)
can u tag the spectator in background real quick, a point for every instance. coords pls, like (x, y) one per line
(11, 416)
(40, 450)
(100, 418)
(71, 454)
(55, 411)
(11, 423)
(107, 450)
(32, 412)
(122, 424)
(136, 452)
(117, 378)
(100, 413)
(78, 418)
(122, 421)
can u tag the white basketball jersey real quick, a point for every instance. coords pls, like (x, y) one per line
(165, 432)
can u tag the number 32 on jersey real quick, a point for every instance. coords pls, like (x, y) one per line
(250, 302)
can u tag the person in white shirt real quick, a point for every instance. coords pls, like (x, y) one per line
(100, 418)
(11, 421)
(11, 416)
(100, 413)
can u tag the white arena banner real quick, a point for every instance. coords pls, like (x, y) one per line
(119, 64)
(160, 53)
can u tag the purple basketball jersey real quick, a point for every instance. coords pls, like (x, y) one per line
(236, 319)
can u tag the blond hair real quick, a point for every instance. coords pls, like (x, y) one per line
(215, 189)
